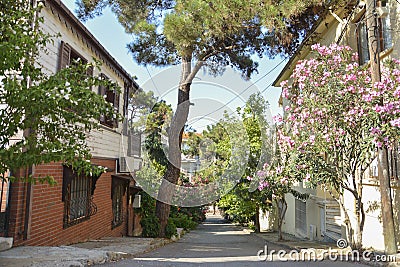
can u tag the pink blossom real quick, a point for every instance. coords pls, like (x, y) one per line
(395, 122)
(261, 173)
(284, 83)
(285, 92)
(277, 118)
(263, 185)
(367, 97)
(341, 131)
(300, 101)
(378, 144)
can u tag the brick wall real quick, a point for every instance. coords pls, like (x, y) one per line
(48, 209)
(3, 192)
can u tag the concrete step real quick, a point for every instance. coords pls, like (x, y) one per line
(6, 243)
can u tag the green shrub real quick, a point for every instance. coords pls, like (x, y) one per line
(151, 226)
(170, 229)
(195, 213)
(183, 221)
(148, 205)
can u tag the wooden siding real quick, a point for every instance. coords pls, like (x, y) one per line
(104, 143)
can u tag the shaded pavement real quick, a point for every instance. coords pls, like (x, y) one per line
(213, 243)
(218, 243)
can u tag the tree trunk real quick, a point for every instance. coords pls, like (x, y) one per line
(257, 220)
(360, 213)
(384, 179)
(359, 210)
(386, 203)
(175, 131)
(282, 207)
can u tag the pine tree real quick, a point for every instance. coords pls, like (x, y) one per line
(205, 34)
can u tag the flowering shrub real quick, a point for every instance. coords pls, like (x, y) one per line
(275, 180)
(337, 118)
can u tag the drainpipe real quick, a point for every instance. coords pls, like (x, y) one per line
(28, 206)
(28, 171)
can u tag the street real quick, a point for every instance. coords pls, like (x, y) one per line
(217, 243)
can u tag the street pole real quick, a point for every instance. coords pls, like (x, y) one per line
(383, 171)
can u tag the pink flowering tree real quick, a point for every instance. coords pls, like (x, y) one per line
(334, 123)
(275, 181)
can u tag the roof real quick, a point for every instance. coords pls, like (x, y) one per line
(94, 43)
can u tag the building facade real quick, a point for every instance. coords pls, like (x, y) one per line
(320, 217)
(78, 208)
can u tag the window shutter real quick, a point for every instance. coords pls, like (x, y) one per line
(126, 99)
(116, 107)
(102, 92)
(65, 55)
(90, 71)
(68, 176)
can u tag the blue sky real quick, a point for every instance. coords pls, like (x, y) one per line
(210, 95)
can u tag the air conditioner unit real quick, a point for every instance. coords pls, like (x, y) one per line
(126, 165)
(129, 164)
(313, 232)
(137, 201)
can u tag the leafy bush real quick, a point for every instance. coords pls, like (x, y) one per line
(148, 205)
(170, 229)
(194, 213)
(151, 226)
(183, 221)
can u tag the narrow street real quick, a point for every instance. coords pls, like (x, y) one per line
(217, 243)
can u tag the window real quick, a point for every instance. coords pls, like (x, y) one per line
(373, 168)
(394, 162)
(118, 191)
(301, 218)
(128, 89)
(112, 97)
(69, 56)
(77, 197)
(385, 37)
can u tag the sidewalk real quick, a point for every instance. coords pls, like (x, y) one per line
(82, 254)
(291, 242)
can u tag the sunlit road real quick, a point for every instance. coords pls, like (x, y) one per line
(216, 243)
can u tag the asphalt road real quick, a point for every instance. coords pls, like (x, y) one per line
(217, 243)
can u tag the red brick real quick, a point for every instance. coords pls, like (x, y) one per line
(47, 211)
